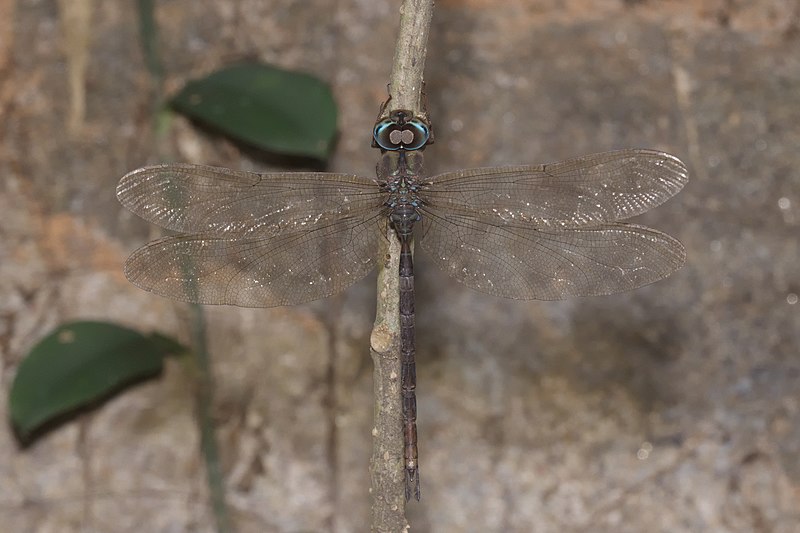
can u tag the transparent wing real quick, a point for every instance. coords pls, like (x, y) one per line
(521, 262)
(267, 269)
(593, 189)
(224, 202)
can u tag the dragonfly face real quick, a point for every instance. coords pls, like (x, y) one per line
(401, 131)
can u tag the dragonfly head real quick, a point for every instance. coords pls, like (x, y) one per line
(401, 130)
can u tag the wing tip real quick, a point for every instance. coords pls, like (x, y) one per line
(133, 179)
(676, 168)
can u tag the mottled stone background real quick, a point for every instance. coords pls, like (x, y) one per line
(672, 408)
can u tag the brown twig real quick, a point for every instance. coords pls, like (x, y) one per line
(386, 466)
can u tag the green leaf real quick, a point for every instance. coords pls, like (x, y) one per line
(76, 365)
(167, 345)
(281, 111)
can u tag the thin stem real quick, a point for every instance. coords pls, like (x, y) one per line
(204, 402)
(148, 36)
(148, 31)
(386, 465)
(77, 28)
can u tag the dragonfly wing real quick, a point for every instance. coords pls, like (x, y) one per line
(224, 202)
(526, 263)
(268, 269)
(593, 189)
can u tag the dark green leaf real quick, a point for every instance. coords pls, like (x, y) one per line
(286, 112)
(167, 345)
(77, 364)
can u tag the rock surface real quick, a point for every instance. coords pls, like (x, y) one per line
(672, 408)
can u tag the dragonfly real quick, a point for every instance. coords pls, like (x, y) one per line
(528, 232)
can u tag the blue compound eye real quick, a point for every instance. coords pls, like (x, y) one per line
(420, 134)
(391, 134)
(387, 134)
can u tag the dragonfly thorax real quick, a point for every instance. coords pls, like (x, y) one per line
(399, 174)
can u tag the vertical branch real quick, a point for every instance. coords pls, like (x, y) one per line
(405, 85)
(386, 465)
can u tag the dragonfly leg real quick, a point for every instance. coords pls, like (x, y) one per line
(382, 111)
(424, 113)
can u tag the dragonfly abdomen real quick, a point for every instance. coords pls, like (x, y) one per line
(408, 369)
(403, 217)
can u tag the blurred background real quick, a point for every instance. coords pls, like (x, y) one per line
(672, 408)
